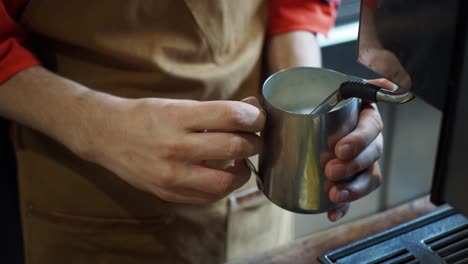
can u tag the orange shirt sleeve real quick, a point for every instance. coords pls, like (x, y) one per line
(316, 16)
(13, 56)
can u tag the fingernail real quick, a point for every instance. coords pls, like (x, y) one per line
(252, 101)
(342, 196)
(337, 171)
(345, 151)
(338, 215)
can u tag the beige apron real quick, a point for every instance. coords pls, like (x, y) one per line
(77, 212)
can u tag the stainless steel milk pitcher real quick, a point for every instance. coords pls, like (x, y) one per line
(296, 144)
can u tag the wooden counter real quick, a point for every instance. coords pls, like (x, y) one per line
(307, 249)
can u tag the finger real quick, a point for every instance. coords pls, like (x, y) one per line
(224, 116)
(325, 157)
(360, 186)
(223, 146)
(384, 83)
(214, 181)
(337, 169)
(252, 100)
(405, 81)
(338, 213)
(399, 77)
(369, 127)
(240, 167)
(402, 79)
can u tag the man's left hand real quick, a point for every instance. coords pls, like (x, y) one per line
(356, 154)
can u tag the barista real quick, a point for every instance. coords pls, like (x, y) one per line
(128, 106)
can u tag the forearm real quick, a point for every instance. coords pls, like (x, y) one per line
(58, 107)
(293, 49)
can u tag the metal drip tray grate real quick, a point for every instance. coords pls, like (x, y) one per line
(402, 256)
(439, 237)
(452, 246)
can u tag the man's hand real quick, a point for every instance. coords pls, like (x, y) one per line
(357, 154)
(161, 145)
(158, 145)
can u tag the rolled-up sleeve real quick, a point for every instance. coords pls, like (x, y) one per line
(316, 16)
(14, 57)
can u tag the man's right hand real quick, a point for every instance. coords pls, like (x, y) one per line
(157, 145)
(161, 145)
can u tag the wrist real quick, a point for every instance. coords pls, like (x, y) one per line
(59, 108)
(93, 120)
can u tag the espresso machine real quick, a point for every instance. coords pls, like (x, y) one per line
(422, 46)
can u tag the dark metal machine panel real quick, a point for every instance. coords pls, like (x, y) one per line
(422, 45)
(451, 173)
(410, 43)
